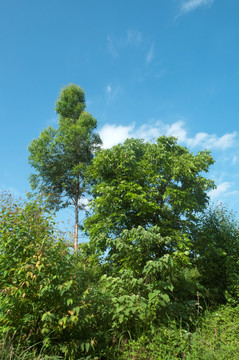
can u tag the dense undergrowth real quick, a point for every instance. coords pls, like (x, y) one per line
(215, 337)
(128, 304)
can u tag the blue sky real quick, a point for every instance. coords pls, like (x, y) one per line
(147, 67)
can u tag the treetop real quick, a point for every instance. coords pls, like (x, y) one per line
(71, 102)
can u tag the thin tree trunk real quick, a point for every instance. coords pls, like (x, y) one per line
(76, 218)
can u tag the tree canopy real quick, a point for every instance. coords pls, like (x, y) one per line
(147, 184)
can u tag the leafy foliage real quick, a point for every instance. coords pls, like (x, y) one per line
(61, 156)
(146, 198)
(216, 337)
(156, 256)
(144, 184)
(46, 296)
(147, 283)
(216, 249)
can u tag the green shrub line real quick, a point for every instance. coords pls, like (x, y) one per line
(216, 337)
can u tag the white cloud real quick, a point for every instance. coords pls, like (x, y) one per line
(176, 130)
(222, 190)
(204, 140)
(224, 141)
(114, 134)
(84, 203)
(150, 54)
(212, 141)
(148, 131)
(191, 5)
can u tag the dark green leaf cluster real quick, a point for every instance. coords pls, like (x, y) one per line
(71, 102)
(216, 254)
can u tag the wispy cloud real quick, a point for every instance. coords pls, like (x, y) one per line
(205, 140)
(116, 44)
(191, 5)
(113, 134)
(222, 190)
(134, 37)
(234, 160)
(112, 46)
(108, 93)
(150, 54)
(108, 89)
(112, 92)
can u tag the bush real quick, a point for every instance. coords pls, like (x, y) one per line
(216, 338)
(215, 249)
(46, 293)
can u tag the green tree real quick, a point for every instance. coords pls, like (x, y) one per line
(146, 184)
(146, 200)
(215, 250)
(61, 156)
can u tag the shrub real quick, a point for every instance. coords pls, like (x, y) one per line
(215, 249)
(46, 294)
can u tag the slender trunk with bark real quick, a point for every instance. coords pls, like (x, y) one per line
(76, 218)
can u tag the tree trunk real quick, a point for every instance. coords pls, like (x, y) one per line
(76, 218)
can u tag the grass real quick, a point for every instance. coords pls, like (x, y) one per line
(216, 338)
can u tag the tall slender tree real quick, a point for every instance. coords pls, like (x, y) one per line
(61, 156)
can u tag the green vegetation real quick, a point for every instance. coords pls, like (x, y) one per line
(61, 156)
(159, 277)
(216, 337)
